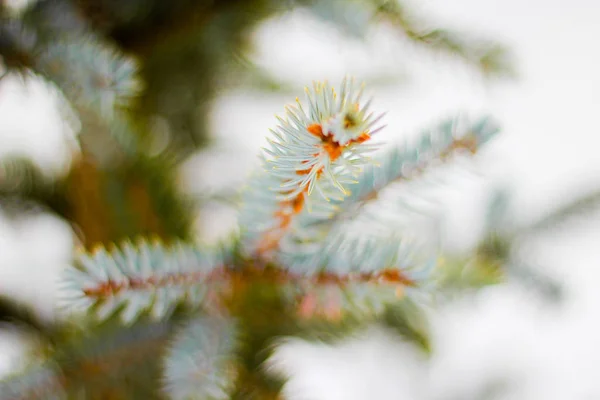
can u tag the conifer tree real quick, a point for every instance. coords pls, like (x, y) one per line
(153, 312)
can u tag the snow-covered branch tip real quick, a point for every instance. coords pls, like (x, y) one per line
(320, 148)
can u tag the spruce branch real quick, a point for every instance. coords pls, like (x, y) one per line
(145, 277)
(306, 233)
(93, 76)
(491, 58)
(298, 265)
(100, 82)
(501, 235)
(320, 150)
(352, 275)
(578, 207)
(317, 235)
(355, 17)
(92, 73)
(201, 361)
(360, 275)
(294, 247)
(435, 146)
(96, 78)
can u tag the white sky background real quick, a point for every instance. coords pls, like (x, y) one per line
(548, 150)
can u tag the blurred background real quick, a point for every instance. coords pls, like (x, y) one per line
(211, 77)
